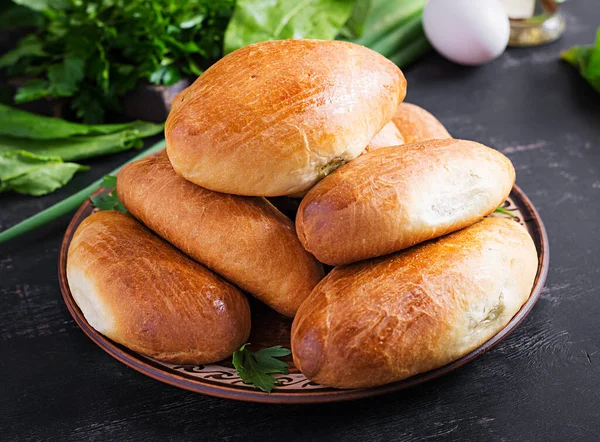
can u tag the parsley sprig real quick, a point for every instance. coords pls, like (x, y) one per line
(93, 52)
(110, 200)
(256, 368)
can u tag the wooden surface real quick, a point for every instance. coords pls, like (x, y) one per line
(542, 383)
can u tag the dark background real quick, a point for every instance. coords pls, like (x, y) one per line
(542, 383)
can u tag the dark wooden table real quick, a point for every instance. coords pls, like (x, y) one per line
(542, 383)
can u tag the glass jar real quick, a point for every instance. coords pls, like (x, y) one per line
(534, 22)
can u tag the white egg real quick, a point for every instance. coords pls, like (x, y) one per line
(469, 32)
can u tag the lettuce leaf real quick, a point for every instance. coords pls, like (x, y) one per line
(36, 175)
(587, 60)
(260, 20)
(391, 27)
(18, 123)
(82, 147)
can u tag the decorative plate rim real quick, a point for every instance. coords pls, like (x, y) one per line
(160, 372)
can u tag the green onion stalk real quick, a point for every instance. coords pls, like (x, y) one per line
(69, 204)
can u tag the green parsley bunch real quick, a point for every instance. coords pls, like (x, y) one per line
(94, 51)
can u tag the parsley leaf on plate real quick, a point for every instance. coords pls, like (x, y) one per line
(256, 368)
(110, 200)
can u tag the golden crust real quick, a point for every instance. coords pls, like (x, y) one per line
(140, 292)
(272, 118)
(392, 198)
(246, 240)
(388, 136)
(387, 319)
(416, 124)
(410, 124)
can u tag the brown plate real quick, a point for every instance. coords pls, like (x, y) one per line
(269, 328)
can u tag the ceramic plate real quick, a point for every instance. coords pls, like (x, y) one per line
(269, 328)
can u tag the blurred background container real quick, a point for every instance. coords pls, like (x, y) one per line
(534, 22)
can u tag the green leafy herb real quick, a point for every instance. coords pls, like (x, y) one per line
(43, 144)
(32, 90)
(411, 52)
(587, 60)
(110, 200)
(394, 29)
(259, 20)
(166, 75)
(64, 77)
(41, 5)
(18, 123)
(36, 175)
(387, 16)
(29, 46)
(390, 27)
(256, 368)
(398, 37)
(13, 16)
(83, 147)
(355, 26)
(505, 212)
(67, 205)
(93, 52)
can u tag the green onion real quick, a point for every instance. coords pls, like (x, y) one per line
(408, 30)
(67, 205)
(411, 52)
(505, 212)
(386, 16)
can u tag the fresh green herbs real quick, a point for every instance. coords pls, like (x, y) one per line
(110, 200)
(355, 26)
(44, 145)
(256, 368)
(67, 205)
(259, 20)
(31, 174)
(505, 212)
(587, 60)
(93, 52)
(394, 29)
(20, 124)
(83, 146)
(390, 27)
